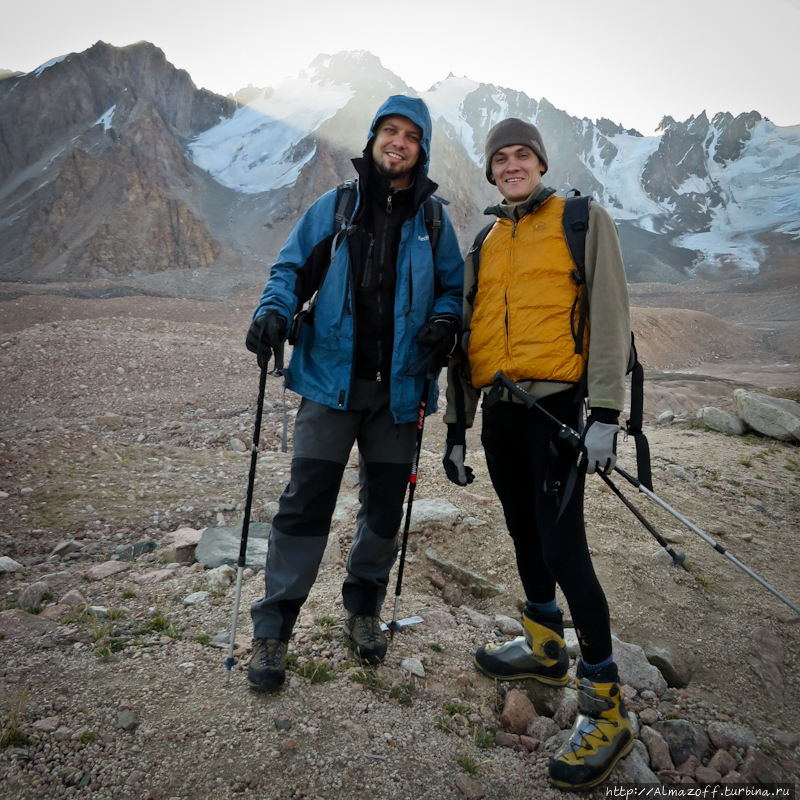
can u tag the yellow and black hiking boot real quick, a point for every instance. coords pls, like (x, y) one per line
(540, 654)
(600, 737)
(266, 670)
(366, 637)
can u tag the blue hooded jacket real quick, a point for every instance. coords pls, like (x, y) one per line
(321, 367)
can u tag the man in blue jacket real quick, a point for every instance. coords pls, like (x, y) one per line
(386, 301)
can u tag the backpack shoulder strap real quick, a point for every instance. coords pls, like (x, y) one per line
(346, 196)
(433, 220)
(475, 251)
(576, 226)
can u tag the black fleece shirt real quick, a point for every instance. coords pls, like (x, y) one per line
(374, 248)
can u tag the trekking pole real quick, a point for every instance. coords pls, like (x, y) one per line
(242, 560)
(704, 536)
(565, 431)
(678, 559)
(412, 485)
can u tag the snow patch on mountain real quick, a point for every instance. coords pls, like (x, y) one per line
(445, 101)
(262, 146)
(106, 119)
(52, 62)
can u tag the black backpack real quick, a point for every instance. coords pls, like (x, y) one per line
(346, 196)
(576, 226)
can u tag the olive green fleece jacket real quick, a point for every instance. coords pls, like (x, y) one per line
(609, 317)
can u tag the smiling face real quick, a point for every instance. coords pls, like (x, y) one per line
(516, 171)
(396, 148)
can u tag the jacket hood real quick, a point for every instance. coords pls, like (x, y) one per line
(415, 109)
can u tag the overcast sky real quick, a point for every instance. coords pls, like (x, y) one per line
(633, 61)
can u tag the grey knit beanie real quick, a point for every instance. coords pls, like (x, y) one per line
(513, 131)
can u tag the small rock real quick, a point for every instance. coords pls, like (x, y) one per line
(196, 598)
(65, 548)
(476, 619)
(47, 725)
(684, 739)
(635, 669)
(723, 762)
(542, 728)
(633, 769)
(784, 739)
(127, 720)
(109, 420)
(19, 624)
(647, 716)
(470, 788)
(219, 579)
(657, 748)
(131, 552)
(157, 576)
(506, 739)
(507, 625)
(452, 595)
(437, 579)
(107, 569)
(518, 712)
(74, 599)
(437, 619)
(414, 666)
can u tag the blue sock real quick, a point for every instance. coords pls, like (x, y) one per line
(546, 608)
(592, 668)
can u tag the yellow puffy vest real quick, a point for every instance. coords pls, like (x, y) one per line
(526, 296)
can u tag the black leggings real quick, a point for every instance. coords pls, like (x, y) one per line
(517, 442)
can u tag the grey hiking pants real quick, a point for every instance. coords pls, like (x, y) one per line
(323, 439)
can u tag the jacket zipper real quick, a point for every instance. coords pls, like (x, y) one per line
(368, 267)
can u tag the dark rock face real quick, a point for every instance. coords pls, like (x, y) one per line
(38, 111)
(87, 200)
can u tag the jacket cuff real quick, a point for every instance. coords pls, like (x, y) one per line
(608, 416)
(456, 433)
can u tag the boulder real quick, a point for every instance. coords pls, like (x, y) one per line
(722, 421)
(18, 624)
(775, 417)
(676, 671)
(635, 669)
(9, 565)
(219, 578)
(725, 735)
(432, 514)
(477, 585)
(220, 545)
(32, 596)
(105, 570)
(184, 542)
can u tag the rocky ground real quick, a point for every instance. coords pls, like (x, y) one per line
(126, 418)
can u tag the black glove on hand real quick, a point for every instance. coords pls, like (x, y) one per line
(599, 443)
(438, 336)
(455, 449)
(265, 334)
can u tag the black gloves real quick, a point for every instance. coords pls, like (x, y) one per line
(438, 337)
(455, 448)
(599, 440)
(265, 335)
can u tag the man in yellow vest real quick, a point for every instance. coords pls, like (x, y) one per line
(521, 316)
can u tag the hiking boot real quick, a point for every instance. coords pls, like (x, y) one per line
(540, 654)
(266, 670)
(600, 737)
(366, 637)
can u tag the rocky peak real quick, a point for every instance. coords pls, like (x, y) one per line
(358, 68)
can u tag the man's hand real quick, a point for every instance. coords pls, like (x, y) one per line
(453, 460)
(438, 336)
(600, 442)
(265, 335)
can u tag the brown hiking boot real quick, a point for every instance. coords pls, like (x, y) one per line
(266, 670)
(366, 637)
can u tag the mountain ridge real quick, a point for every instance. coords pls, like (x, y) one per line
(225, 179)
